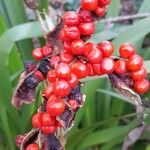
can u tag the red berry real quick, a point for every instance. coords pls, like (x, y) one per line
(141, 86)
(104, 2)
(72, 32)
(39, 75)
(139, 74)
(79, 69)
(107, 65)
(47, 120)
(32, 147)
(89, 69)
(85, 16)
(51, 76)
(106, 48)
(71, 18)
(67, 46)
(100, 11)
(120, 67)
(62, 35)
(73, 81)
(88, 48)
(127, 50)
(37, 54)
(37, 120)
(95, 55)
(54, 61)
(66, 57)
(63, 70)
(73, 104)
(55, 106)
(77, 47)
(46, 50)
(97, 69)
(48, 91)
(89, 4)
(48, 129)
(61, 88)
(135, 63)
(87, 28)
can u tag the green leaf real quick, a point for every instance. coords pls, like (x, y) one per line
(113, 8)
(105, 135)
(79, 135)
(145, 7)
(147, 65)
(132, 35)
(16, 15)
(148, 147)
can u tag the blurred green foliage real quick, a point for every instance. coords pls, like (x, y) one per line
(97, 124)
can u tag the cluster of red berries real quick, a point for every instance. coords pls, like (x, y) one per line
(132, 63)
(66, 74)
(97, 6)
(78, 60)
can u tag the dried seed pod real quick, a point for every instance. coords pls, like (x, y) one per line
(31, 137)
(25, 92)
(33, 4)
(122, 85)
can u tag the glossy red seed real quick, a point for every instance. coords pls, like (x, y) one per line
(55, 106)
(106, 48)
(100, 11)
(87, 28)
(37, 120)
(61, 88)
(88, 48)
(51, 76)
(67, 46)
(135, 63)
(73, 81)
(48, 91)
(48, 129)
(47, 120)
(141, 86)
(46, 50)
(63, 37)
(89, 4)
(104, 2)
(32, 146)
(72, 32)
(66, 57)
(71, 18)
(54, 61)
(95, 55)
(107, 65)
(139, 74)
(120, 67)
(90, 71)
(63, 71)
(73, 104)
(37, 54)
(79, 69)
(97, 69)
(77, 47)
(127, 50)
(39, 75)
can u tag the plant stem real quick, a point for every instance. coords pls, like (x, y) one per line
(122, 18)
